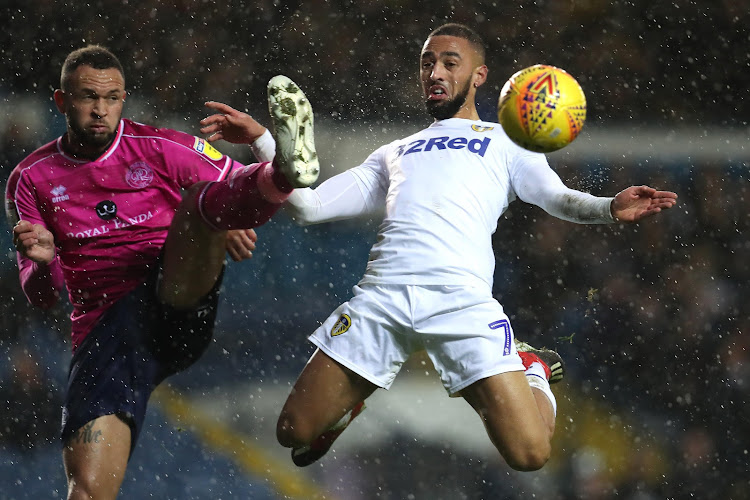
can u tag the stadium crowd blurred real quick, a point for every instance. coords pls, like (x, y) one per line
(651, 319)
(642, 61)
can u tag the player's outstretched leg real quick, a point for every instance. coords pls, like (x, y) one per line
(520, 422)
(292, 117)
(553, 365)
(302, 457)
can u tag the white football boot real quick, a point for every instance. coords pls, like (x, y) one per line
(292, 117)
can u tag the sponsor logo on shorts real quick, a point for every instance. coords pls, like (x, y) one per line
(139, 175)
(481, 128)
(206, 149)
(342, 325)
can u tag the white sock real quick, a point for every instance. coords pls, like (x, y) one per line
(537, 369)
(537, 378)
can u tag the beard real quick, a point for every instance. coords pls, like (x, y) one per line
(442, 110)
(87, 139)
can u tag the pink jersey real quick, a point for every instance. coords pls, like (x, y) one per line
(110, 216)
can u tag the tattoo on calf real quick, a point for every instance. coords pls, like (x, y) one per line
(87, 434)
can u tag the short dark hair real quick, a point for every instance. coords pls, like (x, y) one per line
(462, 31)
(96, 56)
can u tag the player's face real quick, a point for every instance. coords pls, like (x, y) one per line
(92, 102)
(447, 72)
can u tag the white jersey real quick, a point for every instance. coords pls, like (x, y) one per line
(444, 189)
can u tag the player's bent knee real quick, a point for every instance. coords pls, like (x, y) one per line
(87, 488)
(77, 492)
(88, 484)
(293, 432)
(529, 458)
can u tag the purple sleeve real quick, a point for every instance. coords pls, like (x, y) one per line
(22, 194)
(41, 283)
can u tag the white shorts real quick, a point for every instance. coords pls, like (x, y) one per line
(464, 330)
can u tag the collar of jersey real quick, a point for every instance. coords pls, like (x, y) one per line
(111, 149)
(448, 122)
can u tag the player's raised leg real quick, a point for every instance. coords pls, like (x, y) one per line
(195, 246)
(325, 394)
(194, 255)
(518, 408)
(311, 453)
(95, 458)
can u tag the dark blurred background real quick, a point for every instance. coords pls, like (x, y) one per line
(651, 319)
(639, 61)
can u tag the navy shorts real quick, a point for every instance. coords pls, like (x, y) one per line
(136, 344)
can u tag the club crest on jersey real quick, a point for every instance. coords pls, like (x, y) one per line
(481, 128)
(139, 175)
(106, 210)
(206, 149)
(342, 325)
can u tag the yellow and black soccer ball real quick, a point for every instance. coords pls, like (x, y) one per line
(542, 108)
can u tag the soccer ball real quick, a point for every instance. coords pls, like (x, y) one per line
(542, 108)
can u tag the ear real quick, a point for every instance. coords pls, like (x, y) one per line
(59, 98)
(480, 75)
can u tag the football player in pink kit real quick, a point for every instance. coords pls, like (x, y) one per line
(101, 211)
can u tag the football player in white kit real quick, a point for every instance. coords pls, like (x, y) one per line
(428, 283)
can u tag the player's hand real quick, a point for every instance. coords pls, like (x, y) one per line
(241, 243)
(638, 202)
(34, 241)
(230, 125)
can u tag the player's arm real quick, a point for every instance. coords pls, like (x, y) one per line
(539, 184)
(237, 127)
(337, 198)
(535, 182)
(356, 192)
(39, 270)
(240, 243)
